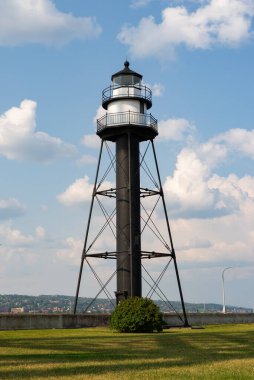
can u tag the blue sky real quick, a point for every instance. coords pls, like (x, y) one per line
(56, 58)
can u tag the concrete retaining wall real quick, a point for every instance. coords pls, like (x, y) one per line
(64, 321)
(51, 321)
(202, 319)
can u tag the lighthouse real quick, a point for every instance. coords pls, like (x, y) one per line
(127, 123)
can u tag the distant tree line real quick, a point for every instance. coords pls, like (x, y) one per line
(64, 304)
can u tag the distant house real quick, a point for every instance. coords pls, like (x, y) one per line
(16, 310)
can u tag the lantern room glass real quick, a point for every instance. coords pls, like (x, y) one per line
(127, 80)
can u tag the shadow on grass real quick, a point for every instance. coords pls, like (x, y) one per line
(33, 355)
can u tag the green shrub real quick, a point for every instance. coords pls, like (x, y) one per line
(136, 314)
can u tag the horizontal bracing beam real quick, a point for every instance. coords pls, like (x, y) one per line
(113, 255)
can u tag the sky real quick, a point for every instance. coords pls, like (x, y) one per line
(56, 58)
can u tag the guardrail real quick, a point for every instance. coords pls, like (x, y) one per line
(122, 91)
(126, 118)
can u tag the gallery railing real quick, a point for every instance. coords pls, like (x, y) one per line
(126, 118)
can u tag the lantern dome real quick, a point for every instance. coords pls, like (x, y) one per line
(126, 77)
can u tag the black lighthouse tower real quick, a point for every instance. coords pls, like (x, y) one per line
(127, 124)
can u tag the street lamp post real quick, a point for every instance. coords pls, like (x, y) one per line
(223, 290)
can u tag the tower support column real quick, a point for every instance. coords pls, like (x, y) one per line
(128, 217)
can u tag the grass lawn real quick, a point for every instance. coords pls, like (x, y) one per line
(215, 352)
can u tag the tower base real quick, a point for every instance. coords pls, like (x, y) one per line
(160, 247)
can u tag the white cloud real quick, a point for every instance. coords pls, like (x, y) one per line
(80, 192)
(73, 247)
(209, 242)
(24, 256)
(238, 140)
(212, 153)
(228, 240)
(14, 237)
(228, 186)
(11, 208)
(195, 190)
(139, 3)
(87, 160)
(235, 193)
(70, 257)
(157, 89)
(175, 129)
(72, 251)
(210, 238)
(39, 21)
(20, 141)
(77, 193)
(220, 22)
(187, 196)
(40, 232)
(91, 141)
(99, 113)
(187, 190)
